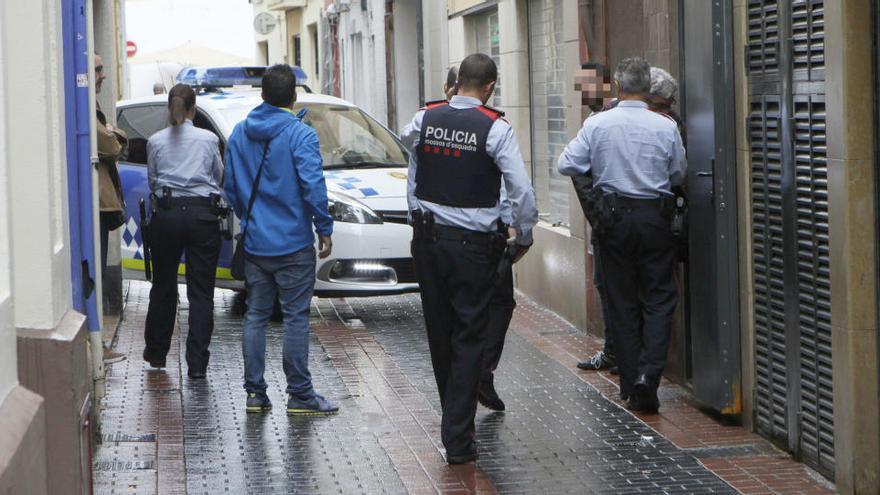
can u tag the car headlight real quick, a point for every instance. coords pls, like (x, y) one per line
(349, 210)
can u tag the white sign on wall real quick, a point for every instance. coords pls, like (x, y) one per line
(264, 23)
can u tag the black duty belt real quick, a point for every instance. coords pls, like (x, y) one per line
(463, 235)
(625, 202)
(190, 201)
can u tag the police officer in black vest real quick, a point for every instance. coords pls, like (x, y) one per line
(457, 163)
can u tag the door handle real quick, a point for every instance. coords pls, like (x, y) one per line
(705, 174)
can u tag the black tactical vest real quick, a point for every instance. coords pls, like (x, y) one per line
(453, 167)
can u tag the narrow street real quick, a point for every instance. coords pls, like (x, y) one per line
(164, 433)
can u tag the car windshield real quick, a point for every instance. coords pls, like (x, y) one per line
(349, 137)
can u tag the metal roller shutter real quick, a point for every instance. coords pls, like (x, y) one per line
(768, 267)
(814, 283)
(790, 245)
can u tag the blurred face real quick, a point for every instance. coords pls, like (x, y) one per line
(659, 104)
(99, 73)
(595, 92)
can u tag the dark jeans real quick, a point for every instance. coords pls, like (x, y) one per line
(195, 232)
(637, 263)
(456, 280)
(292, 279)
(500, 313)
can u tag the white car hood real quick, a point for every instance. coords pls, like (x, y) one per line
(382, 189)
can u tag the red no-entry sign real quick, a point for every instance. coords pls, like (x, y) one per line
(131, 49)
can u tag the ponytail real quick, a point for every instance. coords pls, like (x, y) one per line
(181, 99)
(177, 109)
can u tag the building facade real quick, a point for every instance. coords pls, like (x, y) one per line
(361, 51)
(51, 367)
(777, 324)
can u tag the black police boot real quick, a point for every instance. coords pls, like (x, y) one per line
(488, 397)
(463, 458)
(155, 363)
(644, 398)
(196, 374)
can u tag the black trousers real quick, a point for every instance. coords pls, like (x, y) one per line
(500, 313)
(637, 265)
(195, 232)
(456, 279)
(608, 348)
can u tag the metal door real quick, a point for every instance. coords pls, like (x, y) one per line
(711, 183)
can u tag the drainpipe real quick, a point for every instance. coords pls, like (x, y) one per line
(79, 106)
(89, 156)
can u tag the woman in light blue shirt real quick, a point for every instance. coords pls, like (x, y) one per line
(185, 173)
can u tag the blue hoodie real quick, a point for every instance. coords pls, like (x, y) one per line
(292, 194)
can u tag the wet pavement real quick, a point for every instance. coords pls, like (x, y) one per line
(563, 431)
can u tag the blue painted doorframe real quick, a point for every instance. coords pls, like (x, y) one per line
(79, 168)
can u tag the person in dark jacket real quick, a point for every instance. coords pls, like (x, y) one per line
(594, 83)
(279, 243)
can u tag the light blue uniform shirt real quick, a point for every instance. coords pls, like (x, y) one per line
(630, 150)
(186, 159)
(517, 207)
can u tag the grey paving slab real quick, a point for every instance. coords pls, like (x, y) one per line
(559, 434)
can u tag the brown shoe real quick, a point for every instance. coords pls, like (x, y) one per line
(111, 356)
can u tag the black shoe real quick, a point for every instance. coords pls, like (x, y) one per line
(614, 370)
(196, 375)
(257, 402)
(488, 397)
(155, 363)
(599, 361)
(644, 397)
(461, 459)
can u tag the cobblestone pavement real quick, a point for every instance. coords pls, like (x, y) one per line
(562, 433)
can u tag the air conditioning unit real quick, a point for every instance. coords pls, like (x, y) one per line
(343, 5)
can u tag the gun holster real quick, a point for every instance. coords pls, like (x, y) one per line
(146, 236)
(602, 211)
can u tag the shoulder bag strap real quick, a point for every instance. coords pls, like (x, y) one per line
(254, 190)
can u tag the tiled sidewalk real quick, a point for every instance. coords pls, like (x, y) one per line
(165, 433)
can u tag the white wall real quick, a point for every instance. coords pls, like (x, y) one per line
(406, 61)
(277, 40)
(8, 365)
(363, 66)
(36, 162)
(436, 33)
(311, 17)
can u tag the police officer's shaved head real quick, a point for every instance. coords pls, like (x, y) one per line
(476, 71)
(279, 86)
(633, 76)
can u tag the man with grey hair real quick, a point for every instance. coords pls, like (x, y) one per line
(664, 91)
(635, 157)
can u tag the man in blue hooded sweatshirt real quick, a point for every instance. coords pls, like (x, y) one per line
(291, 196)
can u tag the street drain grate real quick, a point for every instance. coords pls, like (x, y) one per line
(750, 450)
(124, 437)
(123, 465)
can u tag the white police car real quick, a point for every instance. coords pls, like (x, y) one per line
(365, 167)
